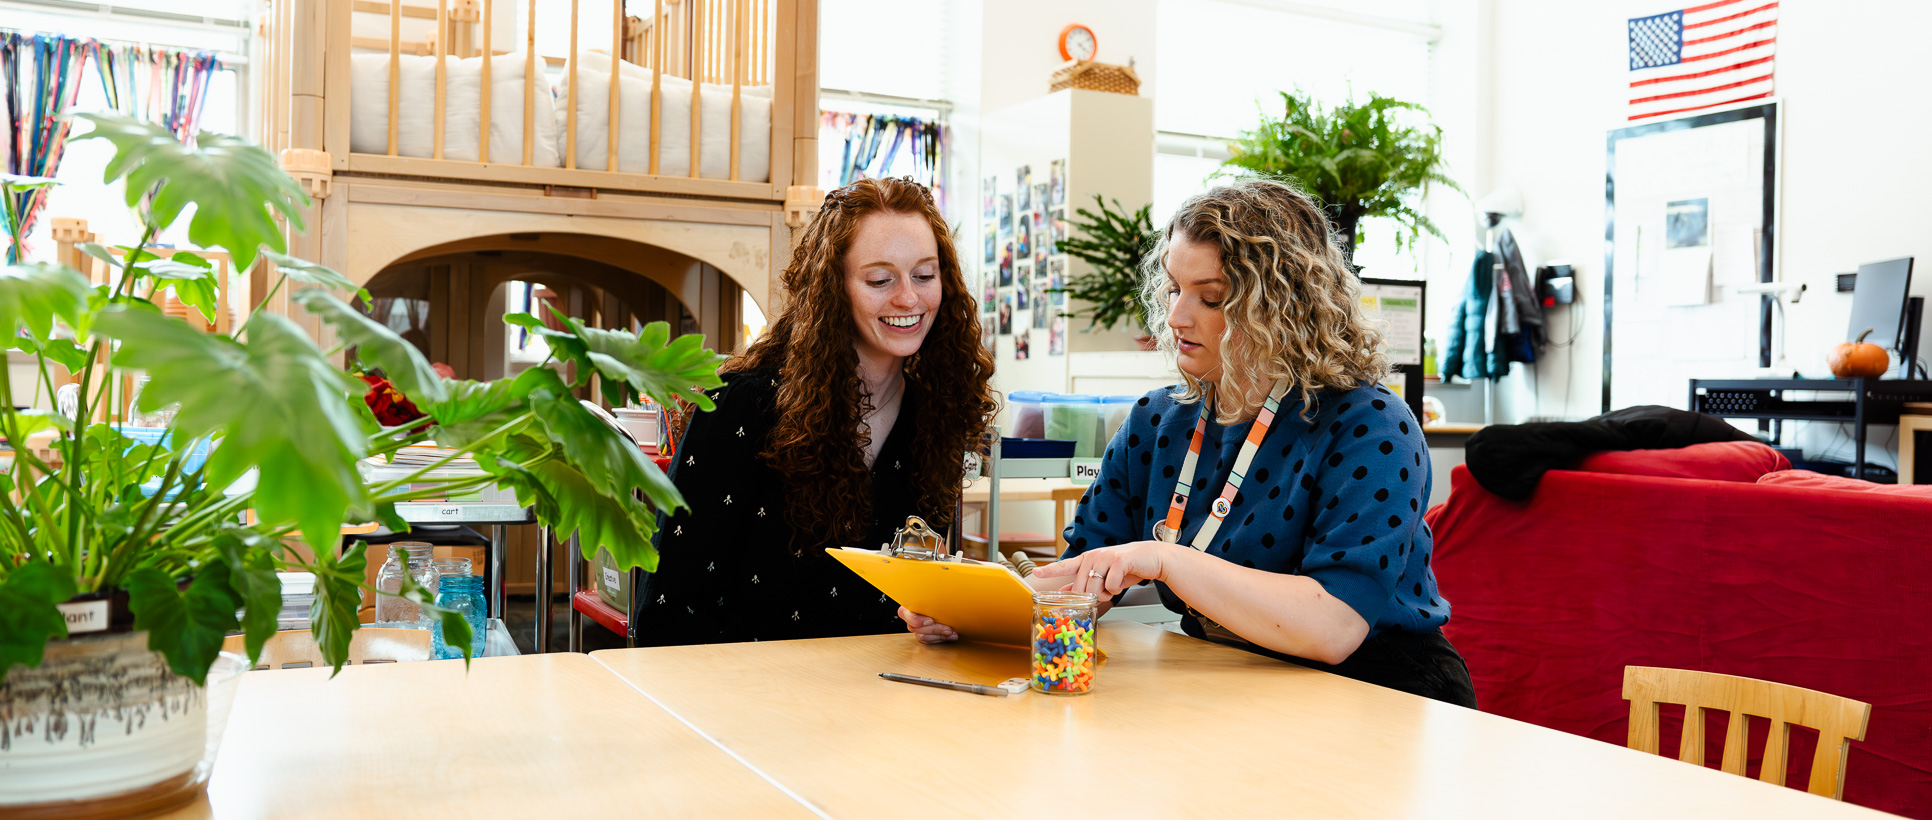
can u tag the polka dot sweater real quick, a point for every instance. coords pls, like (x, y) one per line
(729, 568)
(1337, 498)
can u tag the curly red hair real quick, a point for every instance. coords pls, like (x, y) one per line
(817, 446)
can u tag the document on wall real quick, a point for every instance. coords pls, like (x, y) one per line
(1734, 260)
(1686, 277)
(1687, 252)
(1398, 310)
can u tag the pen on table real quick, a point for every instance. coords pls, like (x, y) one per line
(975, 688)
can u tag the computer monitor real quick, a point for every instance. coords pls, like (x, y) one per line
(1878, 302)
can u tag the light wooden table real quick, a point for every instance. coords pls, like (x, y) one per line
(1017, 489)
(1175, 727)
(537, 736)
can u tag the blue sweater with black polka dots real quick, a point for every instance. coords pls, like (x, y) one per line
(1337, 497)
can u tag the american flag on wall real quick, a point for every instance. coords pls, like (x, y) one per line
(1701, 57)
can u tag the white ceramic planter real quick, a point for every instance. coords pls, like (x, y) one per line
(103, 728)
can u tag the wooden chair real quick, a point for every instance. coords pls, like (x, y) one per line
(296, 648)
(1839, 721)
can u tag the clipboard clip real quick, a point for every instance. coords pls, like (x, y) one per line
(917, 541)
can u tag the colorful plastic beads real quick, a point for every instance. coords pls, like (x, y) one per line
(1063, 654)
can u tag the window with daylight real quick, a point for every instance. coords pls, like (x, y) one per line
(1223, 63)
(216, 27)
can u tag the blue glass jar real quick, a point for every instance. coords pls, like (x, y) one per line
(464, 594)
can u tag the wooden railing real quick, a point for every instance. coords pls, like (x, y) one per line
(718, 52)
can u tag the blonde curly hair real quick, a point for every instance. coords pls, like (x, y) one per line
(1293, 307)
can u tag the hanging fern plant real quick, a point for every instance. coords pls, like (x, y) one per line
(1374, 159)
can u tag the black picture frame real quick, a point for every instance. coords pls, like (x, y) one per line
(1412, 384)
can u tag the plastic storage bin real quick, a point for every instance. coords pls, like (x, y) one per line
(613, 585)
(645, 425)
(1113, 413)
(1029, 407)
(1073, 418)
(1036, 448)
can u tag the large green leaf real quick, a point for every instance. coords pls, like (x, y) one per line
(611, 462)
(644, 364)
(309, 273)
(237, 187)
(29, 422)
(333, 619)
(570, 503)
(33, 296)
(277, 404)
(192, 278)
(251, 575)
(376, 344)
(60, 351)
(185, 627)
(28, 617)
(20, 182)
(472, 410)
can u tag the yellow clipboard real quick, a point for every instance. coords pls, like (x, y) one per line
(982, 602)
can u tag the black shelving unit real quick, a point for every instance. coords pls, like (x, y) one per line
(1869, 401)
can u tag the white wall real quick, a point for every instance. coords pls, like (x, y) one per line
(1021, 43)
(1854, 161)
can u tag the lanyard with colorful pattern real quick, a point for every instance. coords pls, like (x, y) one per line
(1170, 530)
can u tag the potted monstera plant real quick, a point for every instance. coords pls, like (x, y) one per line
(160, 543)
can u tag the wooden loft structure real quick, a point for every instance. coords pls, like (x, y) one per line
(417, 126)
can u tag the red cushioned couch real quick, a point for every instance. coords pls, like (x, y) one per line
(1714, 557)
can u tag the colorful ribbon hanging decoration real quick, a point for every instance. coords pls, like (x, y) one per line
(863, 135)
(158, 85)
(42, 76)
(41, 73)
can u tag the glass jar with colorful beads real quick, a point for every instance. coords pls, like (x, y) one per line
(1064, 653)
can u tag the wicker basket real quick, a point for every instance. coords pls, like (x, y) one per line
(1116, 79)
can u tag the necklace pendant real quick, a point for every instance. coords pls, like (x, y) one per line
(1166, 533)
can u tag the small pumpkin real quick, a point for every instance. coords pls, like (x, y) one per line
(1859, 359)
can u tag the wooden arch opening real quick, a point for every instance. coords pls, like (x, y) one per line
(450, 299)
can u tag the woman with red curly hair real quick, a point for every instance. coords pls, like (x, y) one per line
(853, 411)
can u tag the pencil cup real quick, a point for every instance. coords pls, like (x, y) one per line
(1064, 656)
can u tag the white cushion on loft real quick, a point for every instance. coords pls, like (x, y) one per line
(462, 109)
(634, 129)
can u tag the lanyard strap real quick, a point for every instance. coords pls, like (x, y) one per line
(1177, 504)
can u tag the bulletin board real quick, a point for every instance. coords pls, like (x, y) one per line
(1691, 209)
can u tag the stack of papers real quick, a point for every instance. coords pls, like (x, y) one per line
(423, 455)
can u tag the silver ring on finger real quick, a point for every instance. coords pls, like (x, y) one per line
(1094, 573)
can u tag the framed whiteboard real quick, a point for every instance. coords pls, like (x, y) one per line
(1691, 208)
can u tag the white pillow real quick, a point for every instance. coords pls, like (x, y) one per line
(462, 109)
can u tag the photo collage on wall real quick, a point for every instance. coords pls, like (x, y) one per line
(1022, 259)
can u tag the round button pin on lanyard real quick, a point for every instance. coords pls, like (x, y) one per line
(1170, 529)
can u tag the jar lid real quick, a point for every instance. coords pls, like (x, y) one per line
(1059, 598)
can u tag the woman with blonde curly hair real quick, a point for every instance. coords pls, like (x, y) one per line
(853, 411)
(1275, 497)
